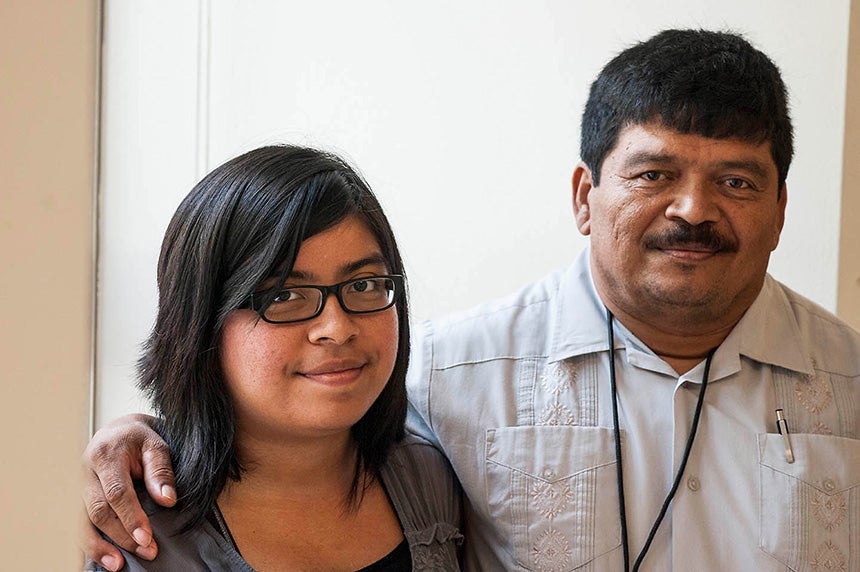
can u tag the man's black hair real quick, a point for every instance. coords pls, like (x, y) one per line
(714, 84)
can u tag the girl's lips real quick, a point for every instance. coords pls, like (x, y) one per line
(335, 373)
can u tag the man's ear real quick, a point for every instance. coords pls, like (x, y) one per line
(582, 185)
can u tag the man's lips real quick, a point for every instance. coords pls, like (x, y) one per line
(689, 255)
(689, 251)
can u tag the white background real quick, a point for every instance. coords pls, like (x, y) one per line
(462, 115)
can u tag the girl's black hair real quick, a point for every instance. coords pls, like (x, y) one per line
(244, 223)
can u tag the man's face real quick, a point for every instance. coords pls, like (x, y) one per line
(680, 223)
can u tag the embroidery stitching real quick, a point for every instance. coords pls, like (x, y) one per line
(829, 557)
(829, 510)
(558, 379)
(820, 428)
(551, 552)
(556, 414)
(551, 499)
(813, 392)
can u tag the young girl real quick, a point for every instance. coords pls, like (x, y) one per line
(276, 367)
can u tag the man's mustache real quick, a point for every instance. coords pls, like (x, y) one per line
(684, 235)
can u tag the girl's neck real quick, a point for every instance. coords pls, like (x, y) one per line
(289, 511)
(296, 468)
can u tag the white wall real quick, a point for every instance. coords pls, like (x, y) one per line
(464, 117)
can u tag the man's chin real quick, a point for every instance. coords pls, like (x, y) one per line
(682, 296)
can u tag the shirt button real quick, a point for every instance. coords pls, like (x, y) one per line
(829, 485)
(693, 484)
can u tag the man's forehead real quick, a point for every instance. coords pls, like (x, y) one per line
(655, 143)
(658, 125)
(655, 134)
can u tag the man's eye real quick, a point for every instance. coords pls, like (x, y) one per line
(652, 175)
(736, 183)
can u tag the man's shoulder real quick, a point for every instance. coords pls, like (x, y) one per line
(834, 343)
(515, 325)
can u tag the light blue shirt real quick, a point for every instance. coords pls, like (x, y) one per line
(516, 394)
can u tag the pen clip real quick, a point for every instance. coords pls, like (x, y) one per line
(782, 427)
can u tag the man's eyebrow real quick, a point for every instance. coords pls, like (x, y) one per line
(645, 157)
(346, 269)
(751, 166)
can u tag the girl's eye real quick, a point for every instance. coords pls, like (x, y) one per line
(292, 295)
(360, 286)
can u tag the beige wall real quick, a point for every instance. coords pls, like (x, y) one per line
(848, 301)
(48, 51)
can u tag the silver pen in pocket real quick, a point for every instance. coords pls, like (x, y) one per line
(782, 427)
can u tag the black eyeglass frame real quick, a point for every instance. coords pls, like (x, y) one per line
(336, 289)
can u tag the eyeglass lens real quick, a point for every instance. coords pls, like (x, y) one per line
(360, 295)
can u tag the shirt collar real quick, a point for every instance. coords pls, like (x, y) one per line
(581, 319)
(768, 332)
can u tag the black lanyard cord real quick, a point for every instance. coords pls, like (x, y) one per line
(619, 472)
(622, 513)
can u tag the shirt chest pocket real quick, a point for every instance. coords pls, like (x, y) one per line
(810, 509)
(553, 491)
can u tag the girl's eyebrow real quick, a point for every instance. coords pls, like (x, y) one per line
(375, 258)
(346, 269)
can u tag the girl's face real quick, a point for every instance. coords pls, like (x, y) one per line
(318, 377)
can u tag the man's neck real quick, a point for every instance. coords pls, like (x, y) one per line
(681, 345)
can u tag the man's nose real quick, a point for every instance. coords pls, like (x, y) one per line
(695, 203)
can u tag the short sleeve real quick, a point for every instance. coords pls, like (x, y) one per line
(418, 379)
(428, 501)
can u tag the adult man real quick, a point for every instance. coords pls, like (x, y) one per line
(569, 410)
